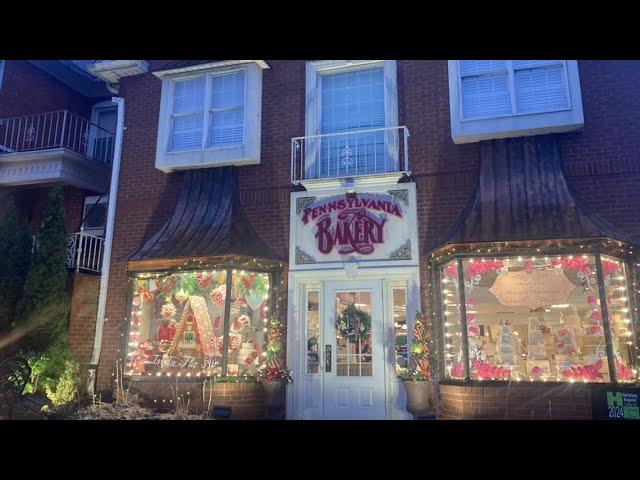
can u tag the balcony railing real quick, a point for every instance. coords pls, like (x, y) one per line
(84, 252)
(59, 129)
(357, 153)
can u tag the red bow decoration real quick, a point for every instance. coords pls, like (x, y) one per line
(480, 268)
(578, 264)
(584, 372)
(451, 271)
(421, 365)
(609, 268)
(457, 370)
(485, 370)
(623, 371)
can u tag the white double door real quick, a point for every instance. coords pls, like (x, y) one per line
(352, 352)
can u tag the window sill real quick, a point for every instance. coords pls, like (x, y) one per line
(206, 158)
(355, 181)
(476, 130)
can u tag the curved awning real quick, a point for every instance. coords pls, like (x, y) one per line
(523, 194)
(208, 220)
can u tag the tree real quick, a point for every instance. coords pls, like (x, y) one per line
(44, 306)
(15, 244)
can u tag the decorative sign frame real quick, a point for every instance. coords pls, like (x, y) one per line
(373, 226)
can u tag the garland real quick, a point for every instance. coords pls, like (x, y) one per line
(353, 322)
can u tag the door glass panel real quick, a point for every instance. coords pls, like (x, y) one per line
(400, 328)
(353, 334)
(313, 331)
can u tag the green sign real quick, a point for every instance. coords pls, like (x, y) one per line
(616, 403)
(623, 405)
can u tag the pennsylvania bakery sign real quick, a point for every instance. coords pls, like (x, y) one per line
(363, 226)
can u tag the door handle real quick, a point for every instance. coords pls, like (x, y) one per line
(327, 358)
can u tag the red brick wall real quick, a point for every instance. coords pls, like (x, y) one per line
(603, 161)
(32, 202)
(146, 197)
(245, 399)
(26, 90)
(82, 317)
(516, 402)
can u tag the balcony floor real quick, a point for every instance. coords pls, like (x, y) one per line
(52, 165)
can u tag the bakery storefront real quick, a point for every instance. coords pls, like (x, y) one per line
(533, 297)
(353, 285)
(204, 292)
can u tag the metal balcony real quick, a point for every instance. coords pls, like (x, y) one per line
(357, 154)
(55, 146)
(84, 252)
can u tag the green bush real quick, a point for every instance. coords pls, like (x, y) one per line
(15, 245)
(68, 386)
(44, 307)
(48, 366)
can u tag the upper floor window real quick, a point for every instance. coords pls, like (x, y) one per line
(210, 116)
(222, 110)
(508, 98)
(351, 120)
(95, 214)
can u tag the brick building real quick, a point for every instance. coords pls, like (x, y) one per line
(342, 197)
(57, 127)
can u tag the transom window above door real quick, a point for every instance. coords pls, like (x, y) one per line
(351, 125)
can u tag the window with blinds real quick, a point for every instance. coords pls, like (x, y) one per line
(493, 88)
(352, 101)
(208, 112)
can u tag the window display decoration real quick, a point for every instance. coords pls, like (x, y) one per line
(618, 332)
(180, 322)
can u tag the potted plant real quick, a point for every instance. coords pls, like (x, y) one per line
(274, 376)
(274, 382)
(417, 380)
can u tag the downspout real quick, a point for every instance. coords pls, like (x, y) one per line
(108, 241)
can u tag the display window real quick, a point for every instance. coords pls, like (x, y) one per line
(210, 322)
(619, 314)
(452, 321)
(537, 318)
(399, 306)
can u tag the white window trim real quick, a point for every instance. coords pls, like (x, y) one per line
(247, 153)
(465, 130)
(314, 72)
(206, 111)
